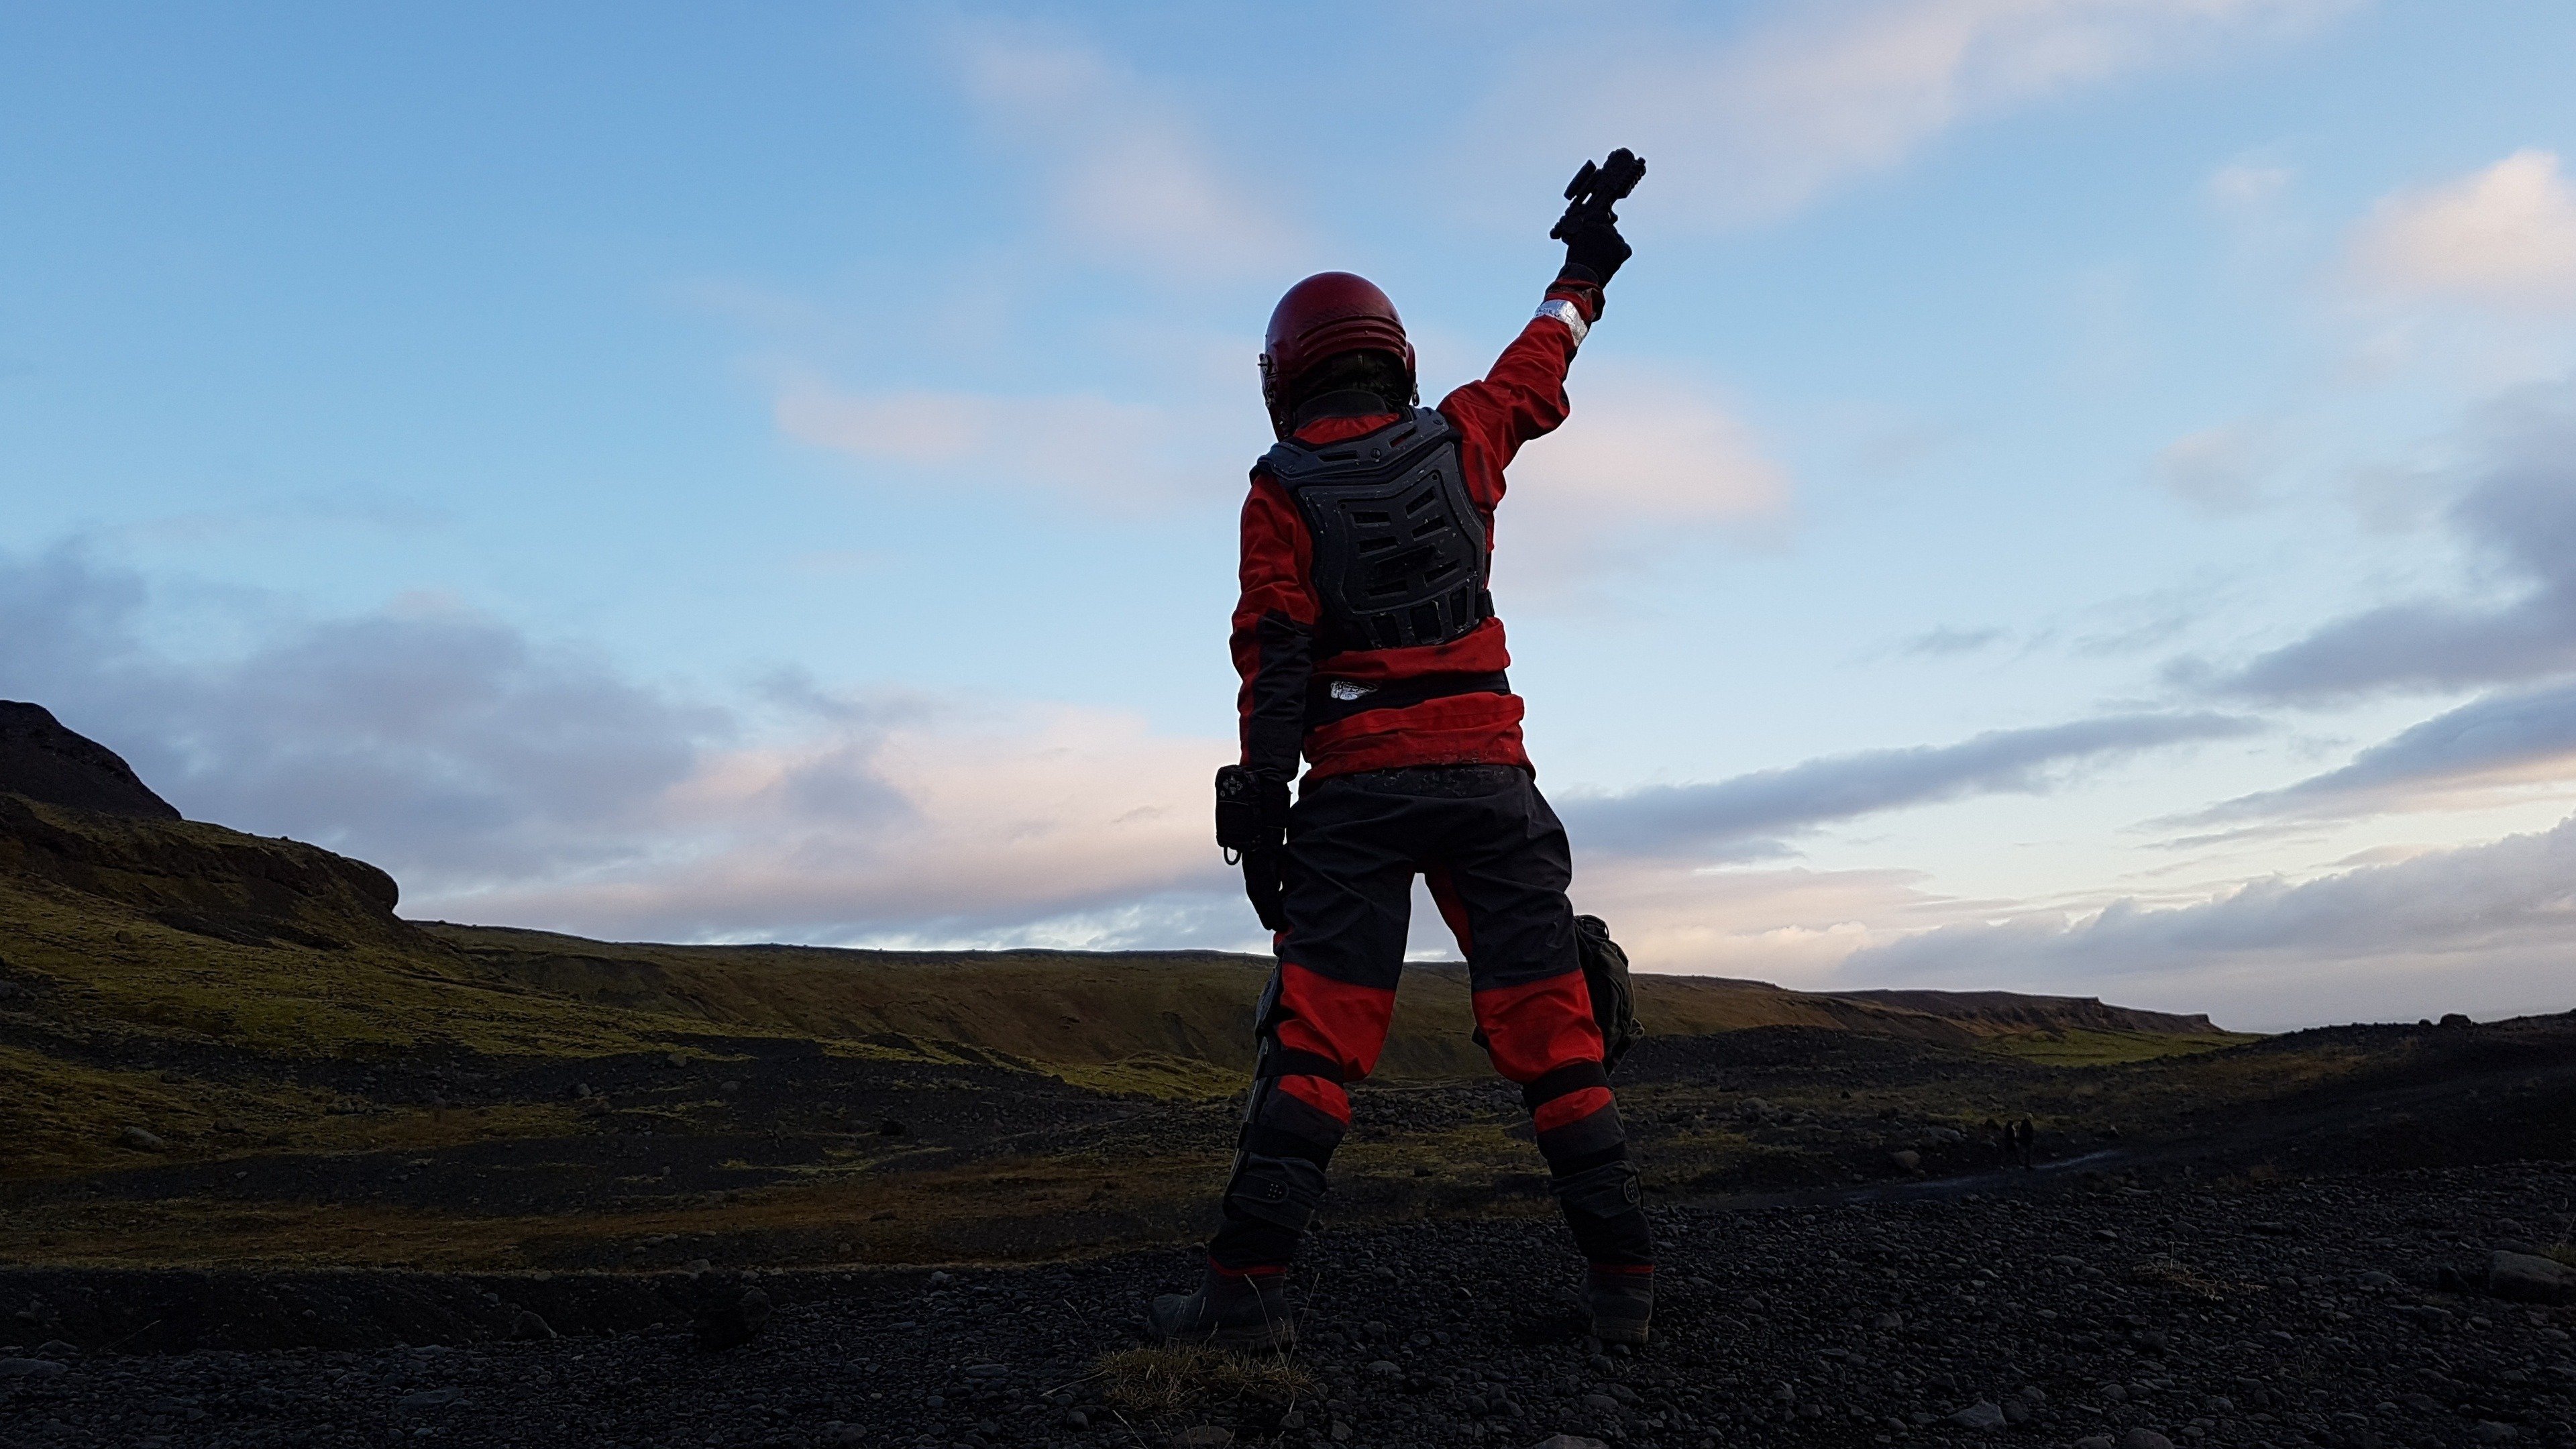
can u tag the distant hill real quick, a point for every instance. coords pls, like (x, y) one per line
(44, 761)
(1094, 1008)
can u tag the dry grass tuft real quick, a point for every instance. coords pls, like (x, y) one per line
(2563, 1252)
(1161, 1381)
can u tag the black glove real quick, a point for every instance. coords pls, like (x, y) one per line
(1261, 887)
(1598, 249)
(1252, 821)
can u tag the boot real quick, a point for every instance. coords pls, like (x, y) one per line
(1230, 1310)
(1622, 1304)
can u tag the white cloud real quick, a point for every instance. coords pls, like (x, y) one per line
(1088, 446)
(2244, 186)
(944, 828)
(1128, 177)
(2488, 750)
(2221, 469)
(2504, 237)
(1758, 125)
(2514, 507)
(1754, 815)
(1642, 452)
(512, 781)
(1793, 926)
(2482, 929)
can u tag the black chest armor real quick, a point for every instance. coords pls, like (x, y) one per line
(1400, 554)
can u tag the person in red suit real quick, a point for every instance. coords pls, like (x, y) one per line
(1367, 643)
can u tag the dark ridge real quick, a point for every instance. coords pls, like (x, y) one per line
(42, 760)
(2018, 1008)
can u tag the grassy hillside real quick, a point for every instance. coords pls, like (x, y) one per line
(218, 1047)
(224, 989)
(1080, 1010)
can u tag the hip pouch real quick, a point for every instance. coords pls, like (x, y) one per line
(1605, 972)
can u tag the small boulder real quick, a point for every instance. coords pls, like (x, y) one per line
(2529, 1278)
(140, 1140)
(530, 1328)
(1568, 1441)
(1983, 1414)
(732, 1320)
(1204, 1436)
(2490, 1431)
(2143, 1437)
(1907, 1160)
(423, 1399)
(28, 1368)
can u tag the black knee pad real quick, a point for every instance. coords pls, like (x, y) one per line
(1281, 1191)
(1606, 1191)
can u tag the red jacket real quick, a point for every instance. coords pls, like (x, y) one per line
(1275, 621)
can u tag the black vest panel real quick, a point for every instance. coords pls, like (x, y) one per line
(1400, 555)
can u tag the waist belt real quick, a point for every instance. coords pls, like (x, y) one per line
(1331, 700)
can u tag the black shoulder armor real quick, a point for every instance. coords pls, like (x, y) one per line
(1400, 555)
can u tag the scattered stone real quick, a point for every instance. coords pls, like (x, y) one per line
(732, 1320)
(1205, 1436)
(2489, 1431)
(1983, 1414)
(1568, 1441)
(1907, 1159)
(141, 1141)
(527, 1327)
(56, 1348)
(2096, 1441)
(2529, 1278)
(422, 1399)
(28, 1368)
(2143, 1437)
(1384, 1368)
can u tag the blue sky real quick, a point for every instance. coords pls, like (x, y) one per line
(2070, 494)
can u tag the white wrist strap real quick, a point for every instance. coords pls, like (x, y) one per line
(1567, 313)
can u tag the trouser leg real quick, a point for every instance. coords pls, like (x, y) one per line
(1348, 882)
(1502, 888)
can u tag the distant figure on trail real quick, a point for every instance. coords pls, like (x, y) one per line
(1367, 643)
(2023, 1136)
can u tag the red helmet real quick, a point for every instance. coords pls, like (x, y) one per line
(1324, 316)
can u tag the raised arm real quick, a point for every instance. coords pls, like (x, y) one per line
(1523, 397)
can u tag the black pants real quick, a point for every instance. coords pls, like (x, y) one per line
(1498, 866)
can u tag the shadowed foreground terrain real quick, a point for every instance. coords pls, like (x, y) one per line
(280, 1167)
(2310, 1312)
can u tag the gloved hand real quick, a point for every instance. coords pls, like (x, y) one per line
(1261, 887)
(1598, 249)
(1252, 821)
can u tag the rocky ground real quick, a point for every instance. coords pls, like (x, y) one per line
(2336, 1310)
